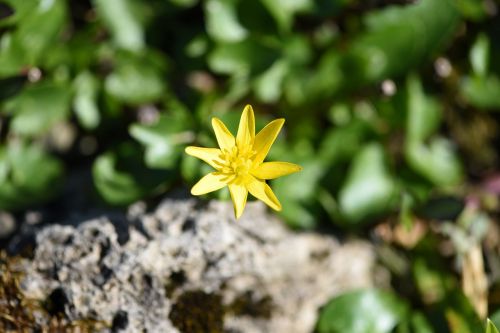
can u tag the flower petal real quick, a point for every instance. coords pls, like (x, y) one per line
(209, 183)
(246, 128)
(265, 138)
(208, 155)
(271, 170)
(262, 191)
(224, 138)
(239, 195)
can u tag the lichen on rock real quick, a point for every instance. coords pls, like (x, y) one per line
(192, 268)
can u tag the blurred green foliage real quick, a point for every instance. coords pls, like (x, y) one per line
(390, 105)
(491, 328)
(364, 311)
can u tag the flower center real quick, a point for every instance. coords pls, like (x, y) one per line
(237, 163)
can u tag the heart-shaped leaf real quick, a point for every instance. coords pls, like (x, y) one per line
(369, 188)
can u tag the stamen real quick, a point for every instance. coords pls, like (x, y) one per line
(237, 163)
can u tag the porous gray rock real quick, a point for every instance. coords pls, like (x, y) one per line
(188, 267)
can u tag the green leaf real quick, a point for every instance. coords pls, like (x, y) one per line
(495, 318)
(459, 313)
(120, 16)
(283, 11)
(249, 55)
(184, 3)
(472, 9)
(37, 108)
(297, 193)
(431, 282)
(38, 25)
(28, 176)
(480, 55)
(121, 177)
(305, 86)
(342, 143)
(191, 169)
(197, 47)
(37, 31)
(435, 160)
(268, 85)
(165, 139)
(256, 18)
(369, 188)
(418, 31)
(136, 80)
(362, 311)
(420, 324)
(297, 214)
(490, 327)
(12, 55)
(424, 113)
(86, 87)
(482, 91)
(19, 10)
(222, 21)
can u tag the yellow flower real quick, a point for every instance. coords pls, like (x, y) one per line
(239, 163)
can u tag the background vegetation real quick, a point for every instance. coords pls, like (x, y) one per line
(391, 107)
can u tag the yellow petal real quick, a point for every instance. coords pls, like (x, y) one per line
(239, 196)
(246, 128)
(209, 183)
(265, 138)
(262, 191)
(224, 138)
(209, 155)
(271, 170)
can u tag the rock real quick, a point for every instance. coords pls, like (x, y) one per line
(192, 268)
